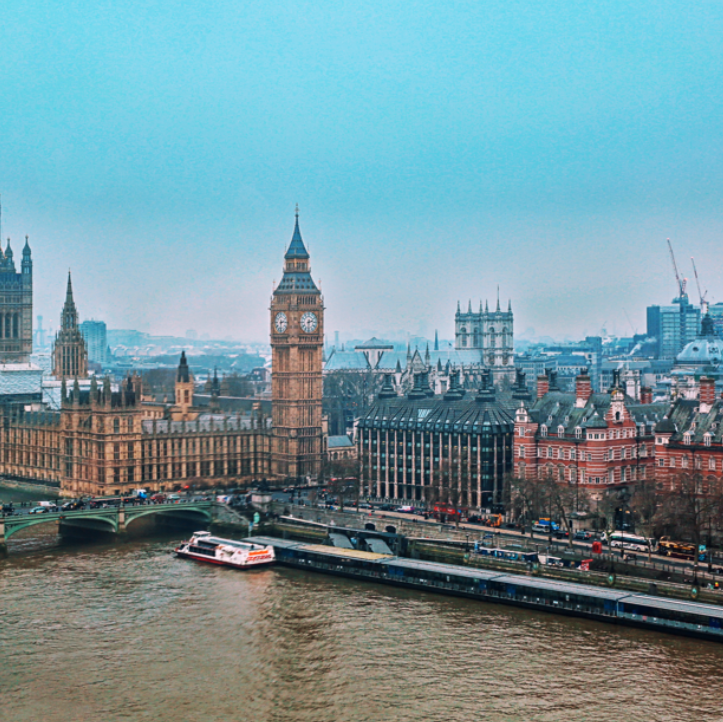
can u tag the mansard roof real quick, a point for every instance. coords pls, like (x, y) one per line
(686, 418)
(558, 408)
(435, 414)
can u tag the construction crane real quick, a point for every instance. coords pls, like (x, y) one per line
(703, 299)
(682, 282)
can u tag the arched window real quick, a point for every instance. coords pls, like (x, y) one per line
(543, 430)
(560, 430)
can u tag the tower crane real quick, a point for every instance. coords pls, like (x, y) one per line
(703, 299)
(682, 282)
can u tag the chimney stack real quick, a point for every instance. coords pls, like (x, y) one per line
(646, 395)
(583, 389)
(707, 393)
(543, 385)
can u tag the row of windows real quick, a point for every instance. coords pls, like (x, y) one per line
(684, 463)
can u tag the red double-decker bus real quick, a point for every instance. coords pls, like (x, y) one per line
(447, 512)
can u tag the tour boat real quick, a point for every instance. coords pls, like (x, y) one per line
(241, 555)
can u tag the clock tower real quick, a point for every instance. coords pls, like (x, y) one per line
(297, 339)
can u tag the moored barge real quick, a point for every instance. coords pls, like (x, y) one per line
(570, 598)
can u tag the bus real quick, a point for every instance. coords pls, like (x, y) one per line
(679, 550)
(632, 542)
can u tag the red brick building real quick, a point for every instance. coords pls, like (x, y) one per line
(594, 440)
(690, 439)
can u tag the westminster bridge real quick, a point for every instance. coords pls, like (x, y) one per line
(112, 519)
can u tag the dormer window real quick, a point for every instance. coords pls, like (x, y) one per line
(686, 439)
(706, 439)
(543, 430)
(561, 430)
(578, 432)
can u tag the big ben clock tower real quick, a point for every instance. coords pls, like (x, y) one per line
(297, 338)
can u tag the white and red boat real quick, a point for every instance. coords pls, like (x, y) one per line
(238, 554)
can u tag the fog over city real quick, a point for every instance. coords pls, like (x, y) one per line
(436, 151)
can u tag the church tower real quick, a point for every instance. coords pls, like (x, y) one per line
(297, 340)
(16, 306)
(70, 358)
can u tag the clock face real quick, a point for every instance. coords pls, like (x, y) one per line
(308, 322)
(280, 322)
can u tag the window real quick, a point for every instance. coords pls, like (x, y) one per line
(549, 452)
(706, 439)
(684, 462)
(672, 463)
(522, 452)
(578, 432)
(711, 464)
(561, 430)
(130, 423)
(686, 439)
(116, 426)
(543, 430)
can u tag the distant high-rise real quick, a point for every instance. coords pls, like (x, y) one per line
(95, 334)
(673, 326)
(16, 307)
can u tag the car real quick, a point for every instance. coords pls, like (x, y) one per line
(174, 497)
(8, 509)
(385, 507)
(72, 505)
(584, 535)
(39, 510)
(158, 497)
(562, 534)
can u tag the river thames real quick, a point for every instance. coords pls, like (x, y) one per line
(106, 631)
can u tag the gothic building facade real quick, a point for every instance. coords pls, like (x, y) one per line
(490, 333)
(70, 356)
(16, 307)
(297, 340)
(109, 439)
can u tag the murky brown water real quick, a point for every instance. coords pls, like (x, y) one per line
(128, 632)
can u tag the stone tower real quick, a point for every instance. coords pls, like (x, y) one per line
(297, 335)
(490, 333)
(16, 307)
(184, 389)
(70, 358)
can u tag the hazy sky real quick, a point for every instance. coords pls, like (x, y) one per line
(436, 149)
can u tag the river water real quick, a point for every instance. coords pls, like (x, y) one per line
(105, 631)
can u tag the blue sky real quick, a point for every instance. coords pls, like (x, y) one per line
(436, 149)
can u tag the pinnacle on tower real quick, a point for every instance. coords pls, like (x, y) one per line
(458, 311)
(469, 307)
(487, 308)
(69, 292)
(297, 249)
(509, 306)
(183, 376)
(498, 298)
(436, 340)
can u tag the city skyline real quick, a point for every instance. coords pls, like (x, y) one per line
(435, 155)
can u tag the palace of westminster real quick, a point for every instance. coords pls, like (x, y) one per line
(101, 438)
(109, 439)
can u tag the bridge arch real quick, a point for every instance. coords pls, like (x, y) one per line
(16, 524)
(191, 513)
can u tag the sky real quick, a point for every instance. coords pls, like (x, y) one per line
(437, 150)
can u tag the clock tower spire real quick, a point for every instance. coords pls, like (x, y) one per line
(297, 339)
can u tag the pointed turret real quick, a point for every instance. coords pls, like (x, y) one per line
(27, 264)
(426, 355)
(183, 373)
(469, 306)
(297, 249)
(509, 306)
(487, 308)
(498, 299)
(458, 311)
